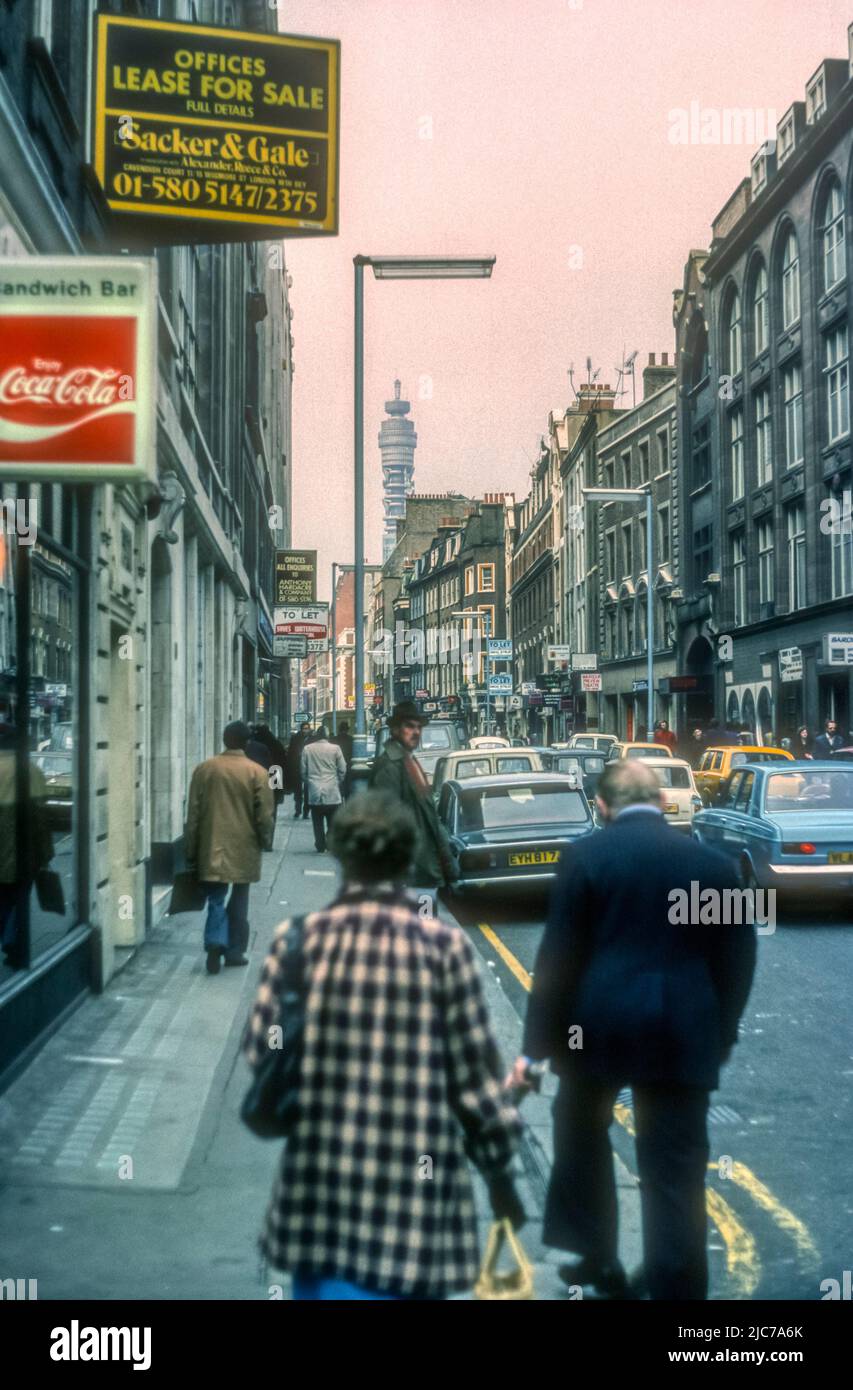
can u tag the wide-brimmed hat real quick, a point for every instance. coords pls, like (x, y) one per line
(407, 709)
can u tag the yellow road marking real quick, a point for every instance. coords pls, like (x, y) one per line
(785, 1219)
(506, 956)
(742, 1259)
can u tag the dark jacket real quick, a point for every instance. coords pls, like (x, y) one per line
(432, 866)
(344, 742)
(294, 761)
(657, 1002)
(824, 746)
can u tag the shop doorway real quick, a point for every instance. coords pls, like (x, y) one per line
(699, 702)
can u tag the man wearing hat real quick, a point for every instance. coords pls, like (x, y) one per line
(398, 772)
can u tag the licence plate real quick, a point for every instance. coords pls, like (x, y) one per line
(671, 808)
(534, 856)
(840, 856)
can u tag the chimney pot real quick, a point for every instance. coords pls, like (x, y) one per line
(665, 359)
(651, 359)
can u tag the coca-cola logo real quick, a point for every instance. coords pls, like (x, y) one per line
(67, 389)
(47, 382)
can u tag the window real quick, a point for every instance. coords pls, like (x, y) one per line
(469, 580)
(734, 356)
(702, 552)
(764, 531)
(663, 451)
(816, 99)
(663, 534)
(739, 577)
(641, 557)
(627, 549)
(790, 281)
(837, 384)
(760, 320)
(643, 450)
(763, 436)
(792, 395)
(486, 579)
(832, 234)
(610, 555)
(842, 561)
(701, 454)
(626, 469)
(796, 526)
(785, 139)
(736, 456)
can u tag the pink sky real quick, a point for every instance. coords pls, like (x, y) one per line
(550, 131)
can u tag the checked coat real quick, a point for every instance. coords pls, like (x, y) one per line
(400, 1079)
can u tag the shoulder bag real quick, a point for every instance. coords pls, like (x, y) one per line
(271, 1104)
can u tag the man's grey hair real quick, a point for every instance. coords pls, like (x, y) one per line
(628, 782)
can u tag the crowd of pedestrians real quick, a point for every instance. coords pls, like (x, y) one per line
(398, 1067)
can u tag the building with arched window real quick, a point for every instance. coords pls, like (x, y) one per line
(763, 326)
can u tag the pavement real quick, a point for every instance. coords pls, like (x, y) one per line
(125, 1171)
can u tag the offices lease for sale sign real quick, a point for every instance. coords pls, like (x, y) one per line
(215, 125)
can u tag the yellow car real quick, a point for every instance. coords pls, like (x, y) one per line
(717, 765)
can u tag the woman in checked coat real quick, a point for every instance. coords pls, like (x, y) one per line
(400, 1080)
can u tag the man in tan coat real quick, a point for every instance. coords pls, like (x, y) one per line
(229, 821)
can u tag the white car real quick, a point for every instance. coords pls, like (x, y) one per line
(681, 799)
(488, 741)
(593, 743)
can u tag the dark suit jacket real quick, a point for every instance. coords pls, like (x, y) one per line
(657, 1002)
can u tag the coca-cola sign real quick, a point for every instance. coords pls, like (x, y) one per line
(77, 375)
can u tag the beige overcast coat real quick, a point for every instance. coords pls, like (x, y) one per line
(229, 818)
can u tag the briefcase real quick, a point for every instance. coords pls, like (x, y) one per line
(187, 894)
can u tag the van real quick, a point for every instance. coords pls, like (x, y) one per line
(484, 762)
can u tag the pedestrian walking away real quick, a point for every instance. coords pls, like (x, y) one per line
(323, 773)
(229, 822)
(657, 1005)
(398, 772)
(294, 771)
(399, 1080)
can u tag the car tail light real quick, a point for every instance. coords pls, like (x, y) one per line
(805, 848)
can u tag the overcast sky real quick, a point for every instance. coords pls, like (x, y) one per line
(539, 131)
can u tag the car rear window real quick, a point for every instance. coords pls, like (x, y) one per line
(436, 736)
(54, 764)
(514, 765)
(738, 759)
(676, 777)
(653, 752)
(472, 767)
(797, 791)
(500, 807)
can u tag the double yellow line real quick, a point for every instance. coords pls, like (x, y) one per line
(743, 1262)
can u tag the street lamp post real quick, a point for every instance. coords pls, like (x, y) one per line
(344, 569)
(637, 494)
(387, 268)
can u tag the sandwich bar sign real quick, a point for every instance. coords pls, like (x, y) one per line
(78, 376)
(217, 126)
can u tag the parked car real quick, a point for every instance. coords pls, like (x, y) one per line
(638, 750)
(681, 799)
(489, 741)
(438, 737)
(484, 762)
(57, 774)
(717, 765)
(789, 828)
(506, 830)
(596, 743)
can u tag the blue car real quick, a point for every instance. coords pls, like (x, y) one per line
(788, 825)
(512, 828)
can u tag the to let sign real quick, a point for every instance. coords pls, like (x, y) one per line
(78, 375)
(303, 620)
(217, 126)
(295, 577)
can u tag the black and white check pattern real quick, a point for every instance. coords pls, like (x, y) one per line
(400, 1079)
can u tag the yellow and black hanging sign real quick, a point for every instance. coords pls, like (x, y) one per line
(217, 125)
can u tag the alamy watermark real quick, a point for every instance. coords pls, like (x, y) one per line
(726, 907)
(413, 646)
(19, 517)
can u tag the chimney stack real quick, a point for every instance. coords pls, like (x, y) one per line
(655, 377)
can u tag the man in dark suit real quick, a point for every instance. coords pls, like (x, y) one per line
(626, 991)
